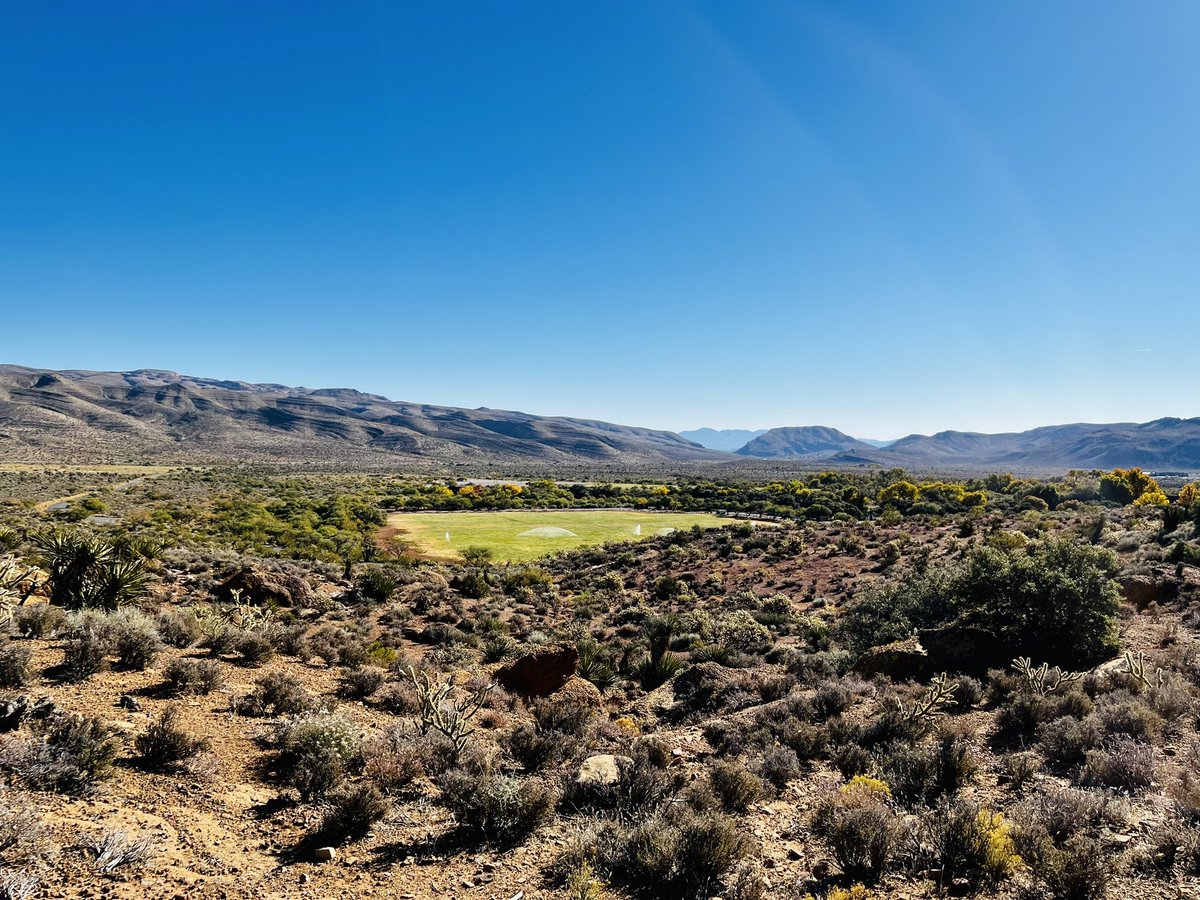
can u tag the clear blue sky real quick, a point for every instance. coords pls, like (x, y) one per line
(885, 217)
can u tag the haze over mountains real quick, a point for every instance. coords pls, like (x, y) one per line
(728, 439)
(155, 415)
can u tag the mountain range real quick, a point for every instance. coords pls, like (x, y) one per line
(84, 416)
(1168, 443)
(155, 415)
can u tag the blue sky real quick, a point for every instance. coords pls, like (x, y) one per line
(884, 217)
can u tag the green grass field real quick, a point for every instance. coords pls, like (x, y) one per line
(507, 533)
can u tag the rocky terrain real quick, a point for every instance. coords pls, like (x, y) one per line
(734, 713)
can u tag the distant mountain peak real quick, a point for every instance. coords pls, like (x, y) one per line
(806, 441)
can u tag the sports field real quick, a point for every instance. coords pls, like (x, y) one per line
(520, 535)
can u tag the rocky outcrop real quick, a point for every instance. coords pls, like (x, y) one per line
(264, 588)
(1143, 590)
(900, 661)
(966, 649)
(539, 674)
(579, 692)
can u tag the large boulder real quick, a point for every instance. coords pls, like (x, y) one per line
(964, 648)
(539, 674)
(698, 687)
(579, 692)
(264, 588)
(602, 770)
(899, 660)
(1143, 590)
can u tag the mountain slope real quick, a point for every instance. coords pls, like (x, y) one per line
(806, 441)
(721, 438)
(120, 416)
(1168, 443)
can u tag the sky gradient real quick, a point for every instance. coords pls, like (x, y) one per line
(882, 217)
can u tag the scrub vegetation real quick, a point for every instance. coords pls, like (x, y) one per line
(265, 684)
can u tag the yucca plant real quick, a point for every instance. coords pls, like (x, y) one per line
(87, 572)
(594, 666)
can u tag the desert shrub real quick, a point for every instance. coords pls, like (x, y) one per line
(316, 751)
(1123, 763)
(657, 670)
(807, 741)
(1076, 869)
(393, 760)
(337, 646)
(971, 843)
(399, 698)
(595, 666)
(679, 854)
(192, 676)
(1020, 768)
(24, 836)
(738, 630)
(645, 785)
(86, 651)
(832, 698)
(360, 683)
(75, 752)
(14, 665)
(134, 638)
(253, 648)
(178, 627)
(861, 829)
(556, 734)
(1062, 812)
(115, 849)
(1121, 713)
(850, 759)
(165, 744)
(1066, 741)
(734, 785)
(968, 692)
(497, 808)
(38, 620)
(1020, 717)
(351, 810)
(376, 585)
(779, 765)
(276, 692)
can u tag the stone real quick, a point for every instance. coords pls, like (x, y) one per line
(604, 769)
(899, 660)
(324, 854)
(265, 588)
(539, 674)
(698, 686)
(968, 649)
(1144, 590)
(579, 692)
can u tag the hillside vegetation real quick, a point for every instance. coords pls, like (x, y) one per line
(247, 685)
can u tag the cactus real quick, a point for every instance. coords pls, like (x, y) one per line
(1135, 667)
(1042, 680)
(447, 717)
(940, 694)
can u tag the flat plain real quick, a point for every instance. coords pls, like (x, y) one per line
(522, 535)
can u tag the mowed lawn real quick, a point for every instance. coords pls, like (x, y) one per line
(507, 533)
